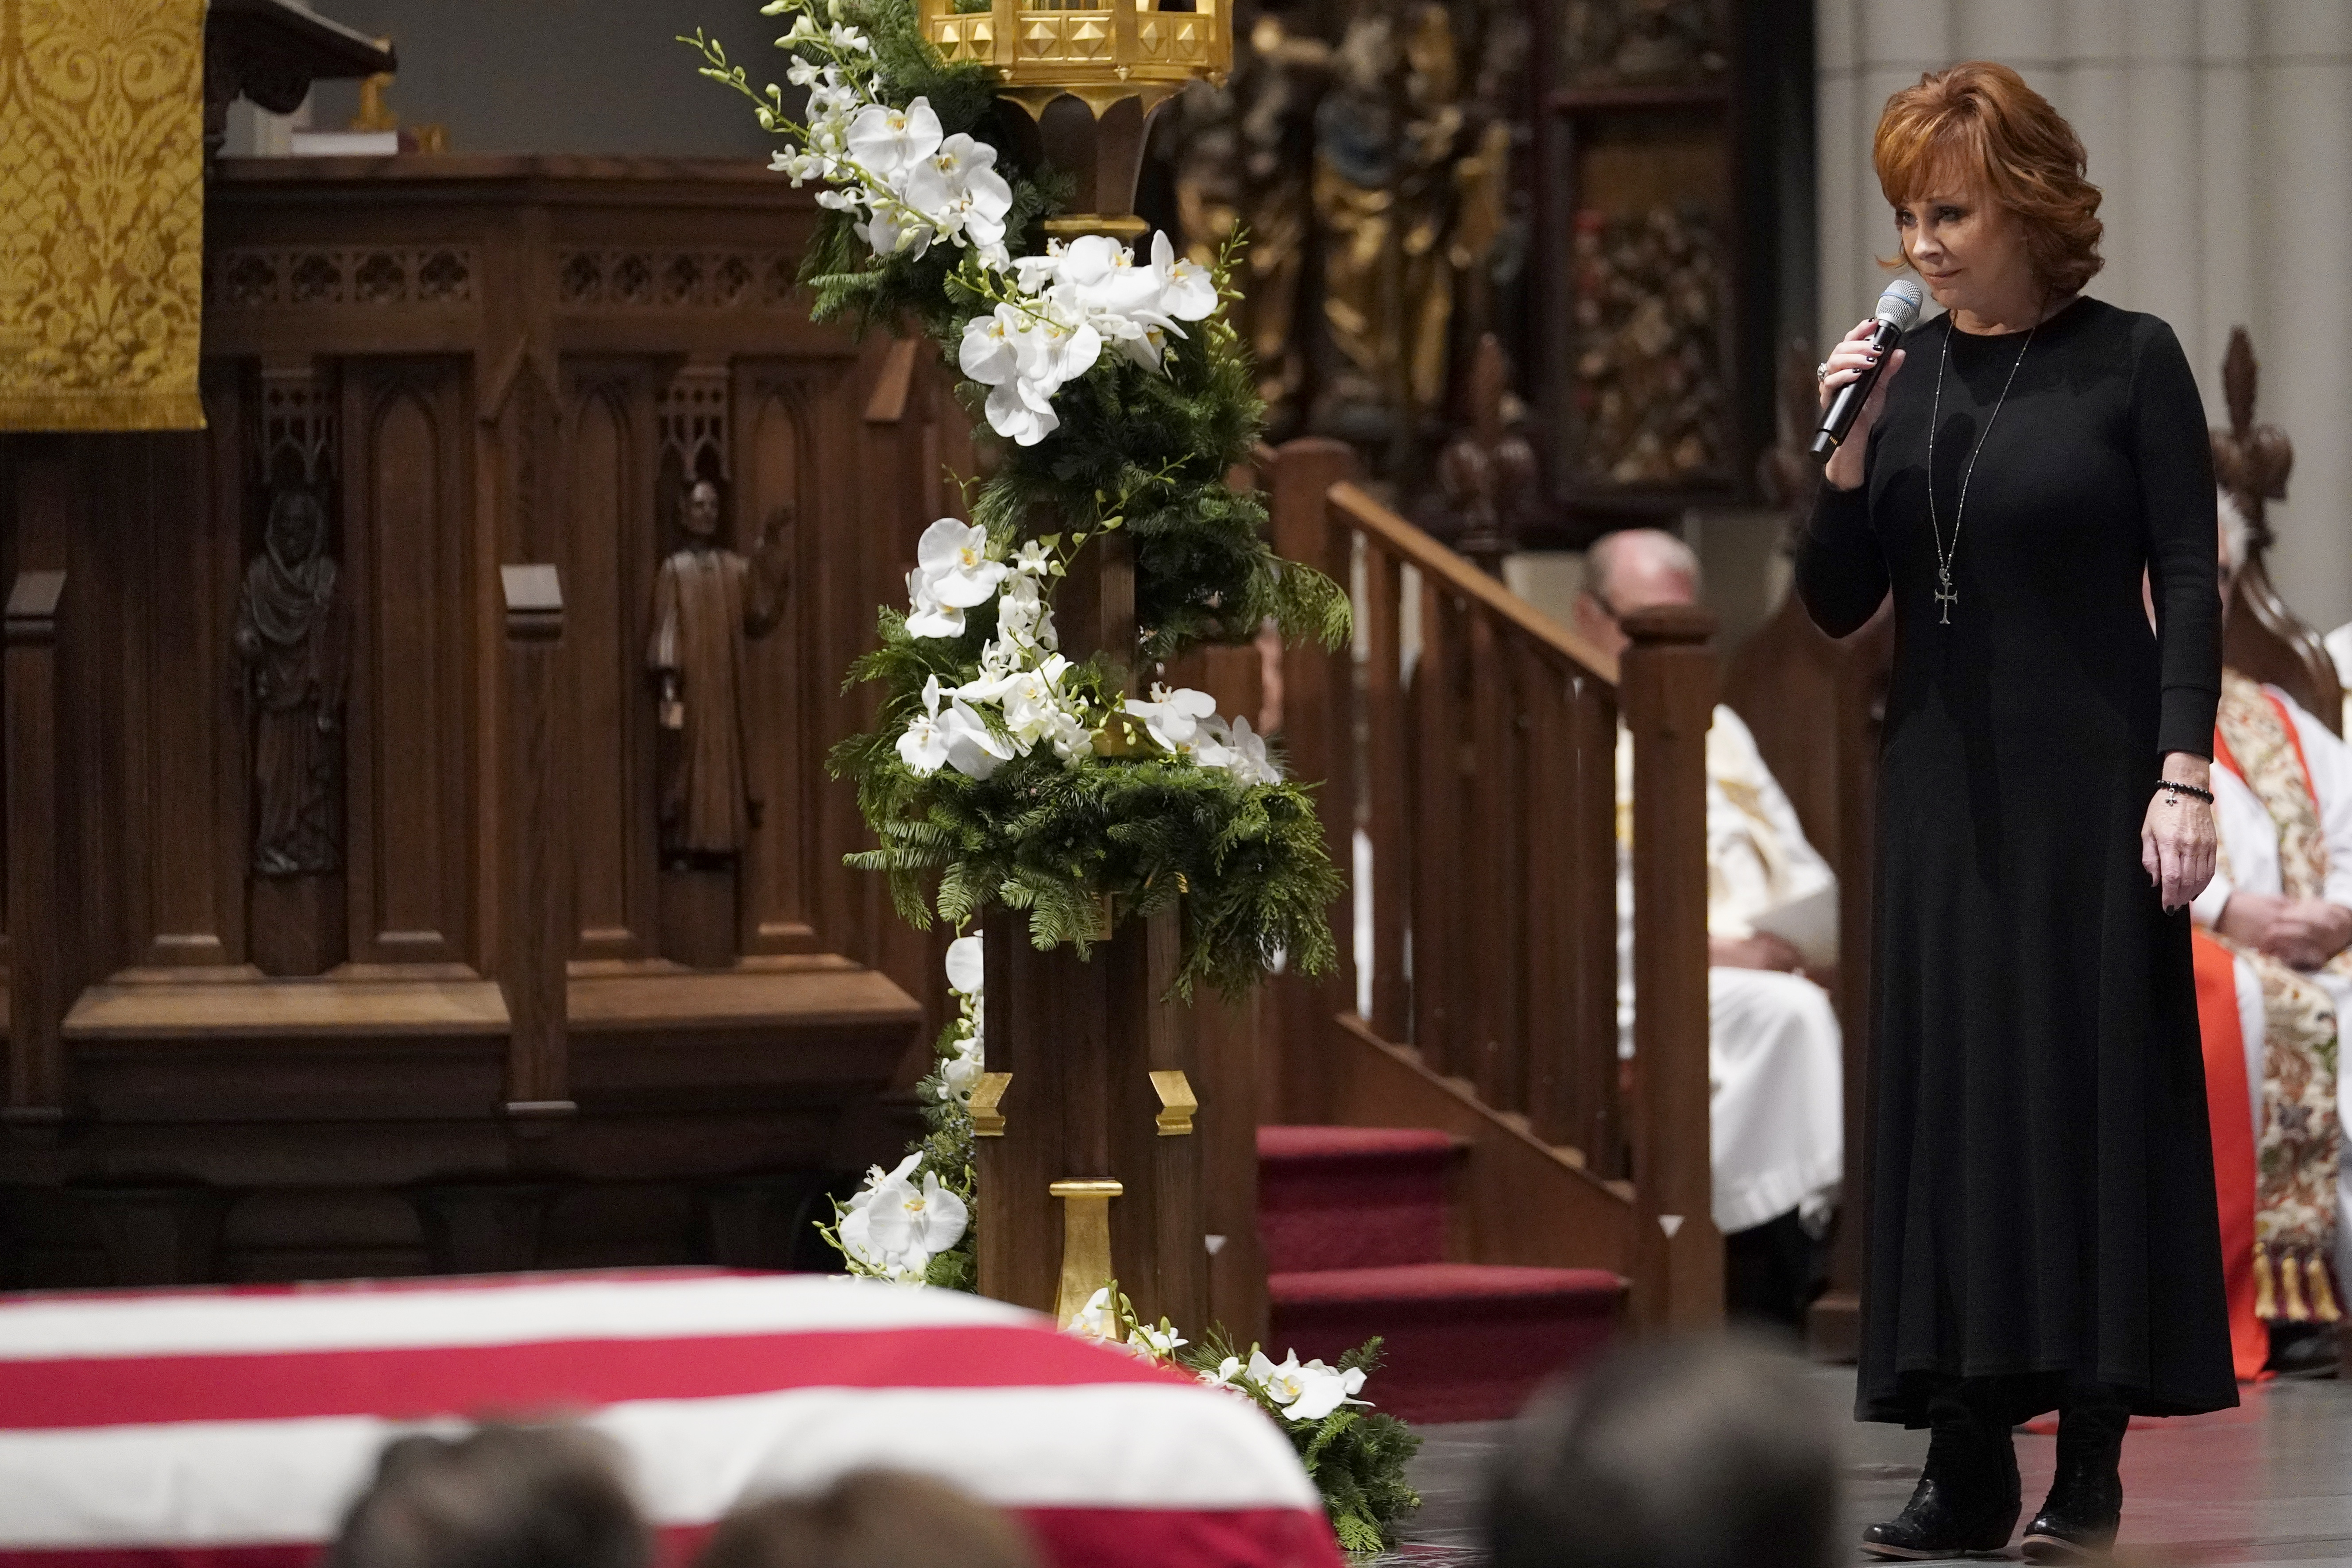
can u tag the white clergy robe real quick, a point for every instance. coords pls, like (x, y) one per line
(1775, 1065)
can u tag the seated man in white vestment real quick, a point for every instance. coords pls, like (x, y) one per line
(2281, 901)
(1774, 1055)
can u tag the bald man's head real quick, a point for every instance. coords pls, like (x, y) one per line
(1633, 569)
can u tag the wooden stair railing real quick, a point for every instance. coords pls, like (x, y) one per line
(1468, 746)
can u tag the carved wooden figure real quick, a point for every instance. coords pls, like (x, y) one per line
(707, 601)
(289, 635)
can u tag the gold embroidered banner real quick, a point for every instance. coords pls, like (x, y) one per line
(101, 214)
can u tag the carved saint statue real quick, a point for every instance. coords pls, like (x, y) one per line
(289, 635)
(708, 600)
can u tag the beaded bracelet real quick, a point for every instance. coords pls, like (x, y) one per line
(2189, 790)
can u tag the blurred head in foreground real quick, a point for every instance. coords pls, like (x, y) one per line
(874, 1518)
(1684, 1453)
(501, 1497)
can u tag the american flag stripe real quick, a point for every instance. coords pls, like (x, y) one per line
(262, 1482)
(415, 1381)
(509, 1310)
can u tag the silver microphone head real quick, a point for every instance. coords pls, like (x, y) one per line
(1899, 306)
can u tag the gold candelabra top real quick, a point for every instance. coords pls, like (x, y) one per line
(1097, 51)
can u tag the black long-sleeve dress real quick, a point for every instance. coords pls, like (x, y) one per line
(2042, 1187)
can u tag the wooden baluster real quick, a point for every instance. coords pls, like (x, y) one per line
(1497, 951)
(1546, 795)
(1386, 791)
(1669, 685)
(537, 900)
(39, 988)
(1438, 1019)
(1318, 731)
(1590, 890)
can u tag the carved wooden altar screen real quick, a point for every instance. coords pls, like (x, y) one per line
(450, 1026)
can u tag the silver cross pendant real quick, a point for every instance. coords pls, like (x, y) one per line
(1945, 596)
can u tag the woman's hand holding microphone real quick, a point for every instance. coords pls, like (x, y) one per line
(1848, 360)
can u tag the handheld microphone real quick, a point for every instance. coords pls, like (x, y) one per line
(1897, 313)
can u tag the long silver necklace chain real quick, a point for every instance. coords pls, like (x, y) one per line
(1946, 595)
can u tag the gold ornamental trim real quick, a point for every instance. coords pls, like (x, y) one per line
(1085, 1245)
(1177, 1103)
(1097, 52)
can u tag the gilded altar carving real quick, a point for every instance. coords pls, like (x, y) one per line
(1410, 182)
(1244, 151)
(1650, 362)
(101, 268)
(1606, 43)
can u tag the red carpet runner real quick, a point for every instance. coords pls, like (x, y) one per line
(1355, 1222)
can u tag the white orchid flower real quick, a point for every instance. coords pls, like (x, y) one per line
(850, 39)
(964, 966)
(1019, 609)
(908, 1224)
(1016, 418)
(1174, 717)
(855, 1229)
(1070, 738)
(1188, 291)
(1147, 348)
(924, 747)
(953, 558)
(1037, 273)
(1098, 1320)
(888, 141)
(1156, 1342)
(1034, 559)
(1323, 1389)
(1279, 1382)
(973, 750)
(959, 1075)
(888, 230)
(959, 189)
(987, 355)
(1089, 259)
(1308, 1393)
(1223, 1376)
(1032, 706)
(1102, 275)
(930, 618)
(1246, 755)
(1052, 351)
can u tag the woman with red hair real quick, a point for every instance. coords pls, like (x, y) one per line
(2042, 1226)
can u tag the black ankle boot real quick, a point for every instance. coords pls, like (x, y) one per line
(2078, 1520)
(1968, 1498)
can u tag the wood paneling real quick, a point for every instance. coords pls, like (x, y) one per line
(184, 822)
(777, 409)
(489, 342)
(412, 832)
(610, 517)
